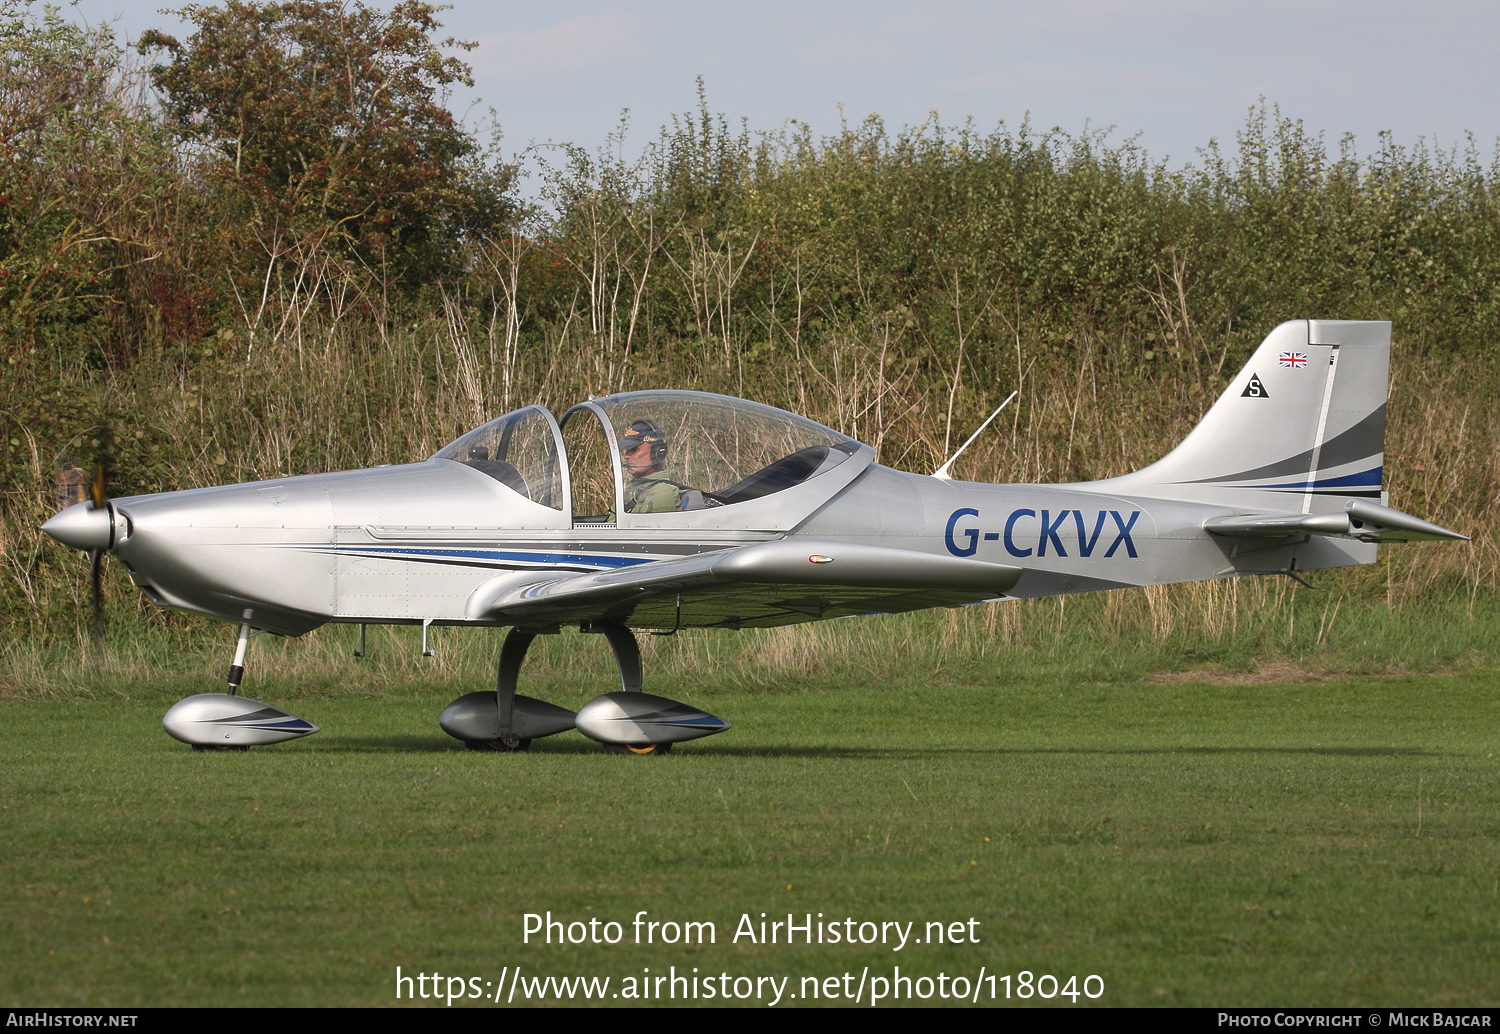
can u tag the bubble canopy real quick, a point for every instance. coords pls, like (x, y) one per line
(729, 449)
(663, 451)
(521, 450)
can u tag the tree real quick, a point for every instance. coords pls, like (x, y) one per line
(89, 197)
(326, 121)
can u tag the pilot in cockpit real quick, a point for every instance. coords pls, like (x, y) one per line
(643, 451)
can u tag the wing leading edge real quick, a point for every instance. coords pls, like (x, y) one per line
(762, 585)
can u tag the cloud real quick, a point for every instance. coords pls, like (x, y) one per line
(1073, 15)
(1052, 75)
(1144, 82)
(1058, 77)
(584, 41)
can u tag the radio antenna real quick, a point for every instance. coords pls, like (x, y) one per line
(942, 472)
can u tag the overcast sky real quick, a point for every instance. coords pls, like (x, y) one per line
(1174, 72)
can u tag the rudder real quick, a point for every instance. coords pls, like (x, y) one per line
(1300, 428)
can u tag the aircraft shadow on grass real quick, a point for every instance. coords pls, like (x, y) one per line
(429, 745)
(1353, 752)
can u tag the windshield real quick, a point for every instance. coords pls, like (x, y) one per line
(688, 450)
(519, 450)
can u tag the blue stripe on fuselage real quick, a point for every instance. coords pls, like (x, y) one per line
(512, 556)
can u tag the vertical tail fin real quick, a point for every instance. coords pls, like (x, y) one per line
(1300, 428)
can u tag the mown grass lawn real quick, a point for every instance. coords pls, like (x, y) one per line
(1303, 843)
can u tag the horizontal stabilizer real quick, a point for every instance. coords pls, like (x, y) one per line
(797, 561)
(1393, 525)
(1366, 521)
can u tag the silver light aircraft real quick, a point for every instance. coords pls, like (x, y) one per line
(667, 510)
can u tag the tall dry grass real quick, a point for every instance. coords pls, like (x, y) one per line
(1234, 630)
(335, 402)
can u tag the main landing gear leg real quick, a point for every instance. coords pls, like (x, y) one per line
(511, 656)
(628, 656)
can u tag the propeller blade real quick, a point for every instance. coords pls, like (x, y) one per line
(96, 566)
(96, 556)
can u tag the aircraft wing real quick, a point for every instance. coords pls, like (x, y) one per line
(1368, 522)
(761, 585)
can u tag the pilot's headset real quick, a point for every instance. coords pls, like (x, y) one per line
(646, 431)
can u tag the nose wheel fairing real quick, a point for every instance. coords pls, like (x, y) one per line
(221, 720)
(228, 721)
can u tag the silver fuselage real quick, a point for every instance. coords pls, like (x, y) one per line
(412, 543)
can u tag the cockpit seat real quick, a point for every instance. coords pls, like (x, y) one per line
(784, 473)
(504, 473)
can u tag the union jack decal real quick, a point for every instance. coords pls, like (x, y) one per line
(1294, 360)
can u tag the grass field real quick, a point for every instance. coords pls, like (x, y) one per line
(1190, 842)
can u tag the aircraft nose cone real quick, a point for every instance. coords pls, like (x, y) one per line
(81, 526)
